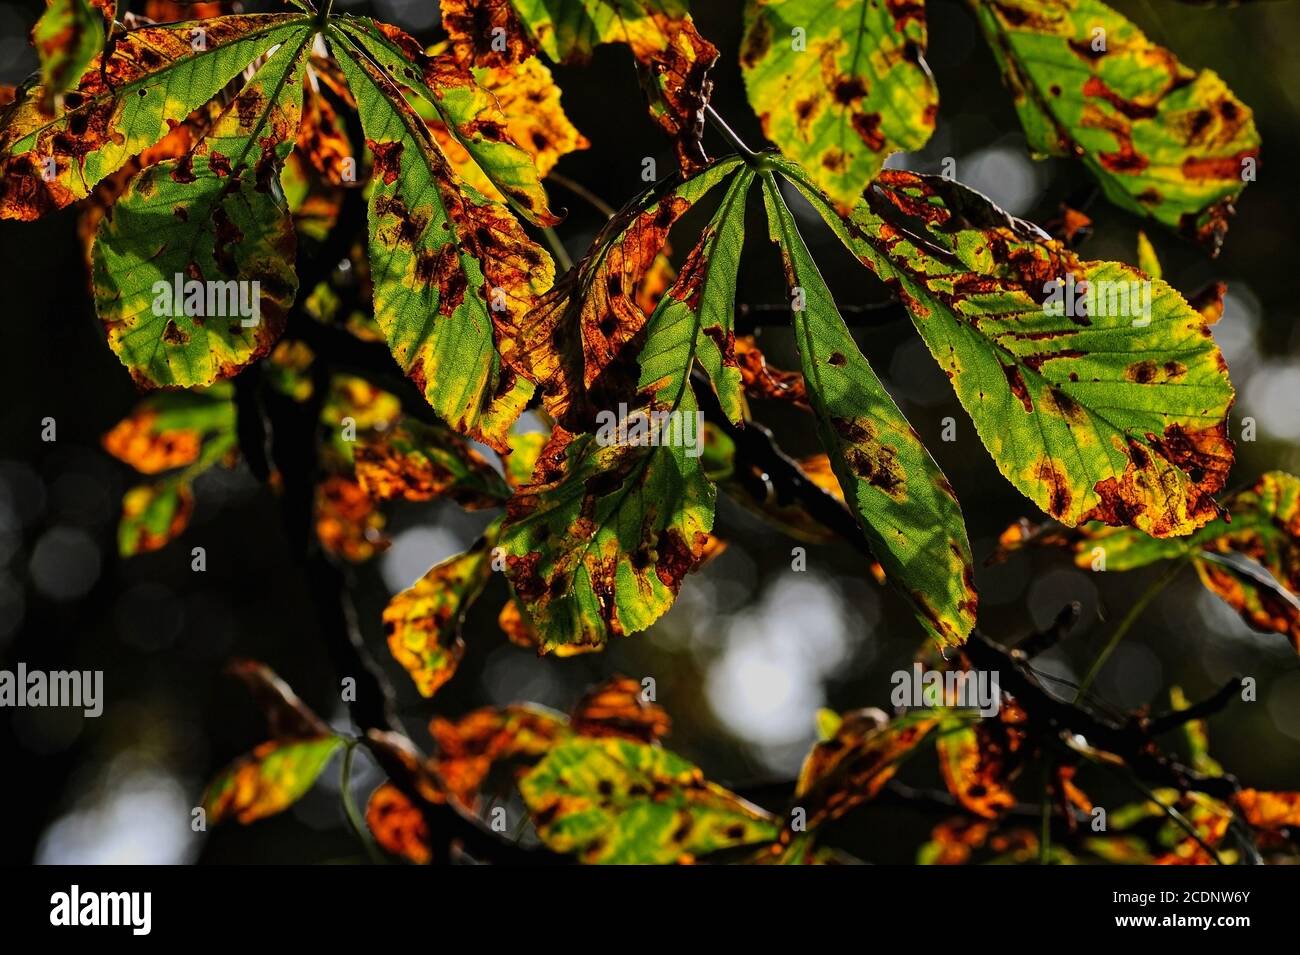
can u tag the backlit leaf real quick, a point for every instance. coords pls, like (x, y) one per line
(852, 766)
(580, 344)
(175, 429)
(1163, 140)
(69, 34)
(122, 106)
(847, 92)
(1115, 413)
(398, 825)
(905, 505)
(153, 515)
(674, 58)
(423, 622)
(420, 462)
(974, 773)
(194, 265)
(470, 113)
(470, 747)
(268, 780)
(617, 801)
(619, 708)
(449, 266)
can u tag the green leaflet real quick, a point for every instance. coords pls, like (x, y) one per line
(579, 343)
(469, 111)
(121, 108)
(69, 34)
(615, 801)
(599, 542)
(902, 500)
(695, 319)
(1162, 140)
(423, 622)
(448, 265)
(268, 780)
(846, 92)
(193, 265)
(1115, 412)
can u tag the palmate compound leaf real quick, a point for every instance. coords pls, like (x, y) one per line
(122, 105)
(1115, 412)
(846, 92)
(674, 58)
(1162, 140)
(617, 801)
(599, 543)
(450, 267)
(270, 779)
(194, 264)
(902, 500)
(1252, 562)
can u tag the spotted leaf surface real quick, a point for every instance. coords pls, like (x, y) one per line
(694, 320)
(419, 462)
(839, 85)
(974, 772)
(194, 265)
(175, 436)
(902, 500)
(450, 267)
(122, 105)
(675, 59)
(268, 780)
(854, 763)
(1163, 140)
(582, 342)
(599, 543)
(1099, 392)
(423, 622)
(470, 747)
(470, 113)
(616, 801)
(67, 37)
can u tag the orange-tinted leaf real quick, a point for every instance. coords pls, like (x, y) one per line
(269, 780)
(618, 708)
(398, 825)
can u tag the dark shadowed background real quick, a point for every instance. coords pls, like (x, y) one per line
(751, 649)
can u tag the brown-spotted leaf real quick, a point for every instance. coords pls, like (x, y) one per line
(852, 766)
(268, 780)
(423, 622)
(1163, 140)
(419, 462)
(124, 103)
(619, 707)
(398, 825)
(1099, 391)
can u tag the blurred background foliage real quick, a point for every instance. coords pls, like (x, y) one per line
(751, 649)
